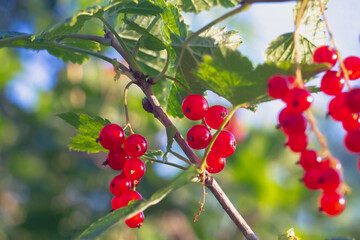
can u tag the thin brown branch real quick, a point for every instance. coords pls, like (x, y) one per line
(341, 62)
(126, 109)
(211, 184)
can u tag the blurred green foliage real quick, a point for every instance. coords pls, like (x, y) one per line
(49, 192)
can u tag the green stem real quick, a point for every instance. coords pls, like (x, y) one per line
(141, 39)
(242, 8)
(180, 157)
(12, 39)
(162, 73)
(167, 163)
(203, 163)
(129, 57)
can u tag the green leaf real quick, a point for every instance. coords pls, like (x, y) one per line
(170, 133)
(89, 129)
(311, 34)
(232, 76)
(197, 6)
(154, 153)
(70, 25)
(290, 235)
(59, 49)
(143, 7)
(341, 238)
(118, 216)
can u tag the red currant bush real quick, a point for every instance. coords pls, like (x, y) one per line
(117, 158)
(120, 184)
(194, 107)
(215, 116)
(325, 54)
(135, 145)
(225, 144)
(353, 100)
(332, 203)
(292, 123)
(332, 83)
(298, 100)
(111, 137)
(297, 142)
(198, 137)
(352, 141)
(214, 163)
(338, 108)
(278, 86)
(308, 159)
(134, 169)
(136, 221)
(352, 65)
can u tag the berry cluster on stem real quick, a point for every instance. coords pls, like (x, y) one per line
(124, 156)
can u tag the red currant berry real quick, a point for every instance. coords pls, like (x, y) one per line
(332, 83)
(297, 142)
(278, 86)
(134, 168)
(214, 163)
(332, 203)
(353, 100)
(352, 65)
(351, 122)
(135, 145)
(224, 145)
(338, 109)
(325, 54)
(215, 116)
(120, 184)
(194, 107)
(136, 221)
(117, 158)
(308, 159)
(116, 202)
(198, 137)
(311, 178)
(298, 100)
(292, 123)
(329, 179)
(124, 199)
(352, 141)
(111, 137)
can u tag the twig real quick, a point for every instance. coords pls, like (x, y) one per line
(203, 201)
(167, 163)
(178, 82)
(16, 38)
(342, 65)
(180, 156)
(126, 109)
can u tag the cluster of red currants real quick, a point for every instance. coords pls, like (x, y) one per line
(320, 173)
(345, 105)
(195, 107)
(124, 159)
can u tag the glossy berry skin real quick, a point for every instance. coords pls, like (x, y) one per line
(134, 169)
(297, 143)
(332, 203)
(332, 83)
(194, 107)
(111, 137)
(329, 179)
(135, 145)
(278, 86)
(325, 54)
(292, 123)
(298, 100)
(351, 122)
(120, 184)
(224, 145)
(311, 178)
(124, 199)
(352, 141)
(198, 137)
(352, 65)
(308, 159)
(215, 116)
(136, 221)
(338, 109)
(214, 163)
(353, 100)
(116, 159)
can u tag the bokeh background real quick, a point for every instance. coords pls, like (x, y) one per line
(49, 192)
